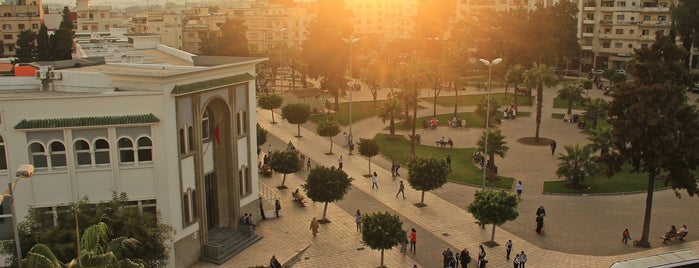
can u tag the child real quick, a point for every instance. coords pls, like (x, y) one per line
(625, 236)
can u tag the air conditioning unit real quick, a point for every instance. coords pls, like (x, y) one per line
(40, 74)
(56, 75)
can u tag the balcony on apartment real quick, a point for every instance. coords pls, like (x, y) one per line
(655, 6)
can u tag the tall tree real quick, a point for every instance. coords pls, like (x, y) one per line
(494, 207)
(482, 109)
(427, 174)
(686, 23)
(270, 102)
(261, 135)
(391, 111)
(372, 76)
(572, 91)
(412, 79)
(285, 162)
(655, 130)
(576, 164)
(539, 76)
(26, 46)
(327, 185)
(515, 76)
(296, 113)
(61, 42)
(382, 231)
(496, 145)
(325, 52)
(42, 44)
(229, 41)
(368, 148)
(601, 139)
(595, 110)
(328, 128)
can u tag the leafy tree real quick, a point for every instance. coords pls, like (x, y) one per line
(270, 102)
(493, 207)
(411, 79)
(686, 22)
(655, 130)
(124, 221)
(539, 76)
(426, 174)
(96, 250)
(26, 46)
(325, 39)
(372, 77)
(572, 91)
(382, 231)
(368, 148)
(296, 113)
(61, 42)
(482, 109)
(496, 144)
(618, 78)
(285, 162)
(391, 111)
(42, 44)
(327, 185)
(230, 41)
(595, 110)
(576, 164)
(328, 128)
(515, 76)
(601, 139)
(261, 135)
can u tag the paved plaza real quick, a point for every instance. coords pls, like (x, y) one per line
(581, 231)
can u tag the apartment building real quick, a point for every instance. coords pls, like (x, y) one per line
(383, 21)
(467, 8)
(611, 29)
(172, 130)
(168, 25)
(97, 18)
(274, 24)
(18, 15)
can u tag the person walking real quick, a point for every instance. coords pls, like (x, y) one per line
(274, 263)
(553, 147)
(277, 207)
(449, 160)
(339, 162)
(262, 210)
(358, 220)
(314, 227)
(481, 256)
(520, 188)
(448, 256)
(516, 261)
(508, 248)
(413, 240)
(522, 259)
(404, 245)
(393, 169)
(308, 164)
(401, 189)
(540, 214)
(375, 181)
(465, 258)
(397, 168)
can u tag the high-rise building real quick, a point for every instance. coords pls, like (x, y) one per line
(383, 21)
(93, 19)
(18, 15)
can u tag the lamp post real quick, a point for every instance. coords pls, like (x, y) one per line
(23, 172)
(352, 86)
(487, 111)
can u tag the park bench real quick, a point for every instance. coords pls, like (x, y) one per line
(298, 198)
(266, 171)
(671, 236)
(443, 144)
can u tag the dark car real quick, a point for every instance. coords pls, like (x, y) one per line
(693, 89)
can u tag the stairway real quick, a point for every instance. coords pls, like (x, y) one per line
(226, 242)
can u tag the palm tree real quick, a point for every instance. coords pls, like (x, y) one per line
(576, 164)
(514, 76)
(391, 111)
(571, 91)
(411, 79)
(601, 139)
(496, 145)
(482, 107)
(539, 76)
(595, 110)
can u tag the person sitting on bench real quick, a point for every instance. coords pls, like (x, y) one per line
(670, 234)
(683, 232)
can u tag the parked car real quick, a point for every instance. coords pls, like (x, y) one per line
(693, 89)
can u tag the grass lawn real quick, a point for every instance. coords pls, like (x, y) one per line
(474, 120)
(624, 181)
(563, 104)
(463, 169)
(601, 123)
(360, 110)
(473, 100)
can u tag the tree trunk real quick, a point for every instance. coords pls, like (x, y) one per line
(337, 100)
(539, 100)
(381, 257)
(369, 165)
(331, 145)
(570, 106)
(283, 180)
(392, 126)
(434, 104)
(412, 143)
(325, 210)
(649, 205)
(456, 100)
(298, 129)
(374, 94)
(272, 111)
(492, 158)
(422, 198)
(492, 235)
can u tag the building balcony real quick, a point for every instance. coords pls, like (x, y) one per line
(655, 9)
(653, 23)
(588, 21)
(586, 47)
(606, 22)
(589, 8)
(588, 34)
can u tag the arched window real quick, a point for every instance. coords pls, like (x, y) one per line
(238, 123)
(82, 153)
(248, 181)
(145, 152)
(185, 207)
(101, 149)
(3, 156)
(246, 122)
(38, 155)
(193, 200)
(241, 184)
(183, 145)
(205, 131)
(190, 138)
(57, 151)
(126, 153)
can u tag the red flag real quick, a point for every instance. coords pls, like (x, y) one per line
(217, 134)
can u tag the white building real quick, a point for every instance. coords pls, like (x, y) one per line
(173, 130)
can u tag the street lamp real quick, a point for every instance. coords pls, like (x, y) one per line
(487, 112)
(352, 87)
(23, 172)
